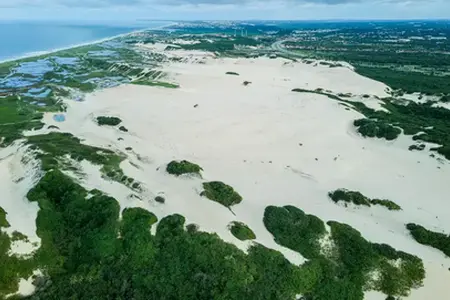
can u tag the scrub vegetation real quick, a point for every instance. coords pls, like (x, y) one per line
(178, 168)
(359, 199)
(88, 251)
(345, 270)
(430, 238)
(13, 267)
(17, 116)
(110, 121)
(222, 193)
(241, 231)
(423, 121)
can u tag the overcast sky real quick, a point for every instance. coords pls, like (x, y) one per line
(124, 10)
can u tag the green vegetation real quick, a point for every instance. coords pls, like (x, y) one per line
(343, 270)
(419, 147)
(241, 231)
(220, 45)
(123, 128)
(375, 128)
(160, 199)
(110, 121)
(425, 122)
(56, 145)
(349, 196)
(294, 229)
(13, 267)
(16, 116)
(386, 203)
(359, 257)
(232, 73)
(359, 199)
(156, 83)
(88, 252)
(53, 149)
(424, 236)
(183, 167)
(3, 222)
(220, 192)
(408, 81)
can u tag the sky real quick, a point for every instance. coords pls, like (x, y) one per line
(122, 11)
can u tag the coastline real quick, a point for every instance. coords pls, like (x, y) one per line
(47, 52)
(281, 161)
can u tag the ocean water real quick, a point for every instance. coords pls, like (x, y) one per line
(19, 39)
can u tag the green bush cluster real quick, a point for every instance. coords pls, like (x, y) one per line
(427, 237)
(294, 229)
(232, 73)
(109, 121)
(220, 192)
(3, 222)
(345, 270)
(359, 199)
(241, 231)
(425, 122)
(88, 252)
(375, 128)
(349, 196)
(178, 168)
(419, 147)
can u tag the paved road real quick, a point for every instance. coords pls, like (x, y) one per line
(278, 46)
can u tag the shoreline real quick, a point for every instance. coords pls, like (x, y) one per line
(46, 52)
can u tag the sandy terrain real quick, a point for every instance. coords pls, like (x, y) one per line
(274, 146)
(17, 176)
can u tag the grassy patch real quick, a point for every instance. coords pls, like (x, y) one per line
(427, 237)
(220, 192)
(110, 121)
(359, 199)
(57, 145)
(241, 231)
(17, 116)
(183, 167)
(54, 147)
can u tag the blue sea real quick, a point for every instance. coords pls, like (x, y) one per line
(19, 39)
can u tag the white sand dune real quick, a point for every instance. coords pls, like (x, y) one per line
(274, 146)
(17, 176)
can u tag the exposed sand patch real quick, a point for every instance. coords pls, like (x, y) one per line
(275, 147)
(18, 174)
